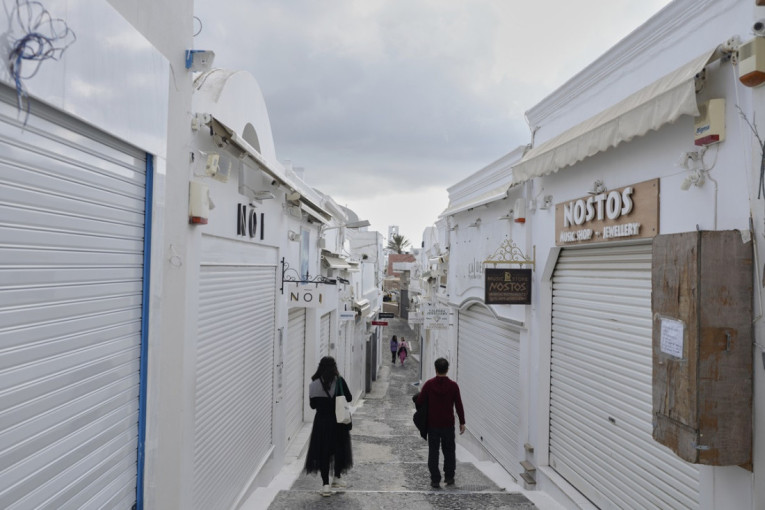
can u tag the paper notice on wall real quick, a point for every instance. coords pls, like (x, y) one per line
(672, 334)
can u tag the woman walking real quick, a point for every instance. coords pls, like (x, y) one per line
(330, 445)
(393, 349)
(403, 350)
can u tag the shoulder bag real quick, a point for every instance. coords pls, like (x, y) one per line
(342, 407)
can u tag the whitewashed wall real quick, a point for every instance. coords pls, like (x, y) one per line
(675, 36)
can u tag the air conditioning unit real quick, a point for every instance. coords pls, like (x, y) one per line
(751, 62)
(709, 126)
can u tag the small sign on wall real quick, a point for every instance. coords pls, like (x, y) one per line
(672, 334)
(507, 286)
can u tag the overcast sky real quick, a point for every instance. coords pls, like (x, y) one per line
(386, 103)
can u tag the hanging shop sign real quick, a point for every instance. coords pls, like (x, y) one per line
(437, 318)
(300, 295)
(631, 212)
(347, 315)
(415, 318)
(507, 286)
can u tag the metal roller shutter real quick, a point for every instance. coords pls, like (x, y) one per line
(600, 389)
(234, 380)
(72, 209)
(489, 378)
(294, 368)
(324, 335)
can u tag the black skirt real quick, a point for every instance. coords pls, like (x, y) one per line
(330, 442)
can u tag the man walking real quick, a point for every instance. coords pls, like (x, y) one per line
(442, 397)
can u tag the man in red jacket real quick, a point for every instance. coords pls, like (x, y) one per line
(442, 396)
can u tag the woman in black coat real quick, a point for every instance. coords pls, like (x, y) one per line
(330, 444)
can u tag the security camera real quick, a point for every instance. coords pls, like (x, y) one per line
(759, 28)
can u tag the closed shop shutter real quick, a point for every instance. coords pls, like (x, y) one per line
(72, 203)
(234, 380)
(294, 367)
(600, 388)
(488, 375)
(324, 335)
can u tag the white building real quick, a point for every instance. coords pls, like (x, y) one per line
(568, 392)
(90, 161)
(157, 324)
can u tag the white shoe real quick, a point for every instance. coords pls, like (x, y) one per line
(325, 491)
(339, 483)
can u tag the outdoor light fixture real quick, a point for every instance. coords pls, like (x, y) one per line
(476, 223)
(351, 224)
(690, 161)
(357, 224)
(547, 202)
(598, 187)
(696, 178)
(508, 216)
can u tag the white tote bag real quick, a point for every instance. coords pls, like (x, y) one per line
(342, 406)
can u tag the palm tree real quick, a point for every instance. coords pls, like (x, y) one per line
(397, 243)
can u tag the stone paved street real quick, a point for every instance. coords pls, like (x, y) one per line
(390, 458)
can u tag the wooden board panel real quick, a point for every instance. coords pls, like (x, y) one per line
(702, 398)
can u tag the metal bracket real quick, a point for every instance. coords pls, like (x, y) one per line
(510, 253)
(290, 275)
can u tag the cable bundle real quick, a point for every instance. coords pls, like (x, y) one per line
(45, 38)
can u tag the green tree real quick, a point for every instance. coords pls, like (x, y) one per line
(398, 243)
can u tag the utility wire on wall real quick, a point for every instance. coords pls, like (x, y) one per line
(44, 38)
(753, 127)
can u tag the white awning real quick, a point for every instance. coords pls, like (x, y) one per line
(225, 133)
(363, 306)
(318, 215)
(661, 102)
(335, 262)
(469, 203)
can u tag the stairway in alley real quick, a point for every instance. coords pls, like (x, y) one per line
(390, 458)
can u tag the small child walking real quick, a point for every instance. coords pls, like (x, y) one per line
(402, 350)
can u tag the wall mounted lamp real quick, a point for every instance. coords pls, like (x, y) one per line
(350, 224)
(696, 178)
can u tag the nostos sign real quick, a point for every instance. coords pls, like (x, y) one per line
(507, 286)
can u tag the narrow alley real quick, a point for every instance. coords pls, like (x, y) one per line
(390, 459)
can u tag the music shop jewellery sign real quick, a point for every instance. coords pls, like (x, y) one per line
(631, 212)
(507, 286)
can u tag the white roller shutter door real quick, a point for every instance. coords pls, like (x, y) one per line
(324, 335)
(294, 367)
(600, 388)
(489, 378)
(234, 380)
(71, 261)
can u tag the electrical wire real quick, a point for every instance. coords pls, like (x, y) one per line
(44, 38)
